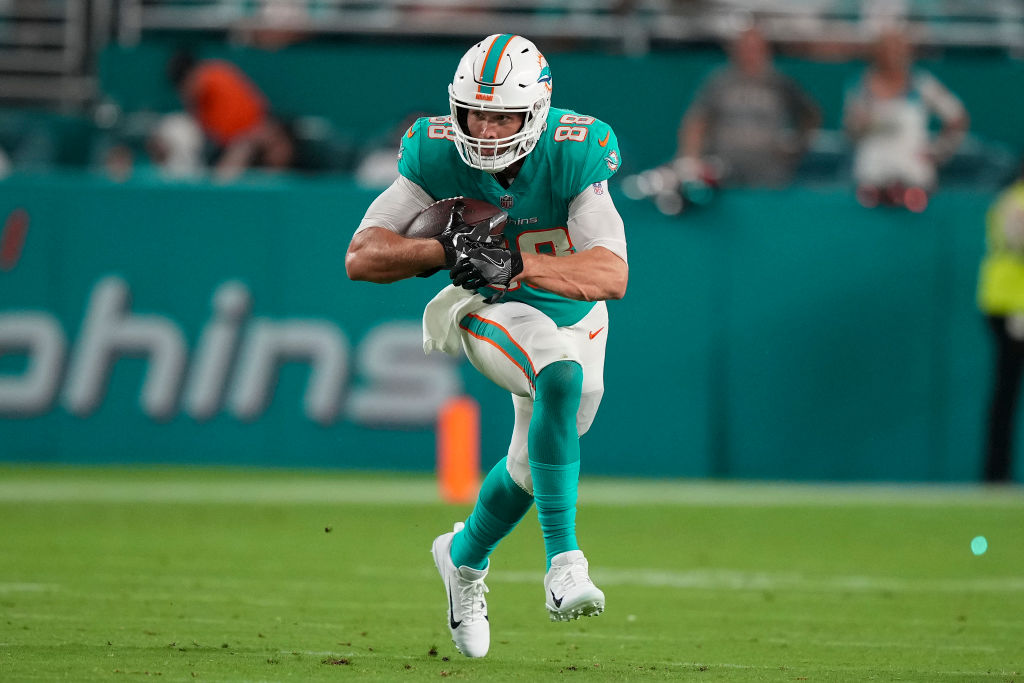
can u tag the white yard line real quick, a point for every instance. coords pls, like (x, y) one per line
(880, 645)
(793, 669)
(779, 494)
(167, 490)
(361, 653)
(730, 579)
(27, 587)
(188, 486)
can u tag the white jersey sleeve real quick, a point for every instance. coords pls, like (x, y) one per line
(595, 222)
(395, 207)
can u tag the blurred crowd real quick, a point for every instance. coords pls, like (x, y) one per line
(749, 125)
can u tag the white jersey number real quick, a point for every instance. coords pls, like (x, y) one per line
(554, 241)
(577, 132)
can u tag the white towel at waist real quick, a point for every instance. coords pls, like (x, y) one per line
(442, 315)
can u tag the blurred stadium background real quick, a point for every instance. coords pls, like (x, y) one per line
(767, 334)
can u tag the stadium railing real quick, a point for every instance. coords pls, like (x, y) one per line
(630, 25)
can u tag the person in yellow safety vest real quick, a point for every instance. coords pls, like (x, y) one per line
(1001, 299)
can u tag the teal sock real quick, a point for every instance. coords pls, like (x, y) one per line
(499, 507)
(554, 449)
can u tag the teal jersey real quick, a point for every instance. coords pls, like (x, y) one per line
(573, 153)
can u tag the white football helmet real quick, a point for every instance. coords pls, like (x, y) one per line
(504, 73)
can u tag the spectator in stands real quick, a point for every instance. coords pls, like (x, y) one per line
(276, 24)
(1001, 299)
(233, 115)
(887, 114)
(748, 121)
(175, 146)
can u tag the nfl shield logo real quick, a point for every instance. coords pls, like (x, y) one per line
(507, 201)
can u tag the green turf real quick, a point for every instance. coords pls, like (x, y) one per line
(178, 575)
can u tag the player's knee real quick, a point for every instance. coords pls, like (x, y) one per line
(561, 384)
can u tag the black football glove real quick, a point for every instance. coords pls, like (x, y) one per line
(491, 266)
(459, 236)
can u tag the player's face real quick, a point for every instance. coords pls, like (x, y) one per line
(493, 125)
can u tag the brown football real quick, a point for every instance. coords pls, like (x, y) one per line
(434, 219)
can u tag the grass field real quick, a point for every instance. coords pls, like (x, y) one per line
(182, 575)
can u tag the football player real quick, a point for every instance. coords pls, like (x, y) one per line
(527, 307)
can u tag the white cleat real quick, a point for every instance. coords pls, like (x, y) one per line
(467, 607)
(569, 592)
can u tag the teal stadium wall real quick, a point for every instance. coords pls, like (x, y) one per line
(770, 335)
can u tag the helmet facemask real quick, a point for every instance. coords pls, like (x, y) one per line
(504, 74)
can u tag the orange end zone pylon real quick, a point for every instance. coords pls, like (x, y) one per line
(458, 450)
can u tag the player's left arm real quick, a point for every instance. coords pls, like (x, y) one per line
(598, 270)
(595, 274)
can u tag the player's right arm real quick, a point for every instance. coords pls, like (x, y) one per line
(379, 252)
(379, 255)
